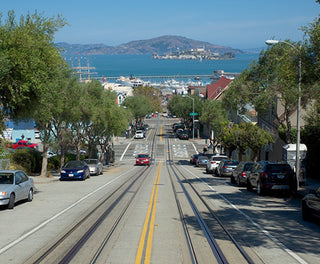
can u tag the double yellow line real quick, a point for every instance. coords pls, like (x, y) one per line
(148, 227)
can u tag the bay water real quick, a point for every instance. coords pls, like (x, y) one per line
(144, 65)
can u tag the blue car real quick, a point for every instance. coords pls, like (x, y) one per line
(75, 170)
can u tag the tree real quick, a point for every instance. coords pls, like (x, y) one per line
(215, 115)
(152, 94)
(182, 106)
(30, 70)
(139, 106)
(274, 77)
(244, 136)
(255, 138)
(105, 118)
(29, 60)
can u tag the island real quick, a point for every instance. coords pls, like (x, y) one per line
(194, 54)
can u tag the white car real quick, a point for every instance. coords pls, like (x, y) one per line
(139, 134)
(214, 162)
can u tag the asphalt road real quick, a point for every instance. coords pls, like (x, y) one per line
(270, 228)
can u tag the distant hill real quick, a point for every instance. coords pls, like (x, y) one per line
(161, 45)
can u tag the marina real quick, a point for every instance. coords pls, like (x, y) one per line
(112, 67)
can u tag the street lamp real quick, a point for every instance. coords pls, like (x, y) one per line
(272, 42)
(192, 114)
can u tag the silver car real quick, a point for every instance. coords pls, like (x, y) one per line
(15, 186)
(95, 166)
(214, 162)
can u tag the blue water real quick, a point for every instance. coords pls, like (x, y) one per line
(143, 65)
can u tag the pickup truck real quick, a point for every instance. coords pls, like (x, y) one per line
(24, 144)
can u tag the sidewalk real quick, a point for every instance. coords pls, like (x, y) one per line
(312, 184)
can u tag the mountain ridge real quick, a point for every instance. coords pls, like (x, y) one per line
(159, 45)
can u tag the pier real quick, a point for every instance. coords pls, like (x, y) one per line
(211, 76)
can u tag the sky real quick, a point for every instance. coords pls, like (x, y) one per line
(241, 24)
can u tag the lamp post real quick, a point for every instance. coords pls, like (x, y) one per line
(272, 42)
(192, 114)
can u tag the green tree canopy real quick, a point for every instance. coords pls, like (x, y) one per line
(29, 60)
(152, 94)
(138, 105)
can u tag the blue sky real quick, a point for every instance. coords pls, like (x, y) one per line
(234, 23)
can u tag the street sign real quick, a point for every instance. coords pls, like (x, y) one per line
(193, 114)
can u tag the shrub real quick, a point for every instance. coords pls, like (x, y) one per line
(28, 160)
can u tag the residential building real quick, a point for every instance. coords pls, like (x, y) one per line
(215, 90)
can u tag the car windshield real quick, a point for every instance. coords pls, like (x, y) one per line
(276, 168)
(218, 158)
(142, 156)
(91, 161)
(73, 164)
(6, 178)
(248, 166)
(231, 162)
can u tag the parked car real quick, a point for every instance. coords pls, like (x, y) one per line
(139, 134)
(268, 176)
(75, 170)
(311, 206)
(24, 144)
(15, 186)
(213, 163)
(183, 135)
(194, 158)
(239, 174)
(226, 167)
(143, 159)
(202, 161)
(95, 166)
(176, 126)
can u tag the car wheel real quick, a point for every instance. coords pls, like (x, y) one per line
(260, 190)
(249, 186)
(238, 182)
(305, 212)
(232, 180)
(11, 201)
(30, 195)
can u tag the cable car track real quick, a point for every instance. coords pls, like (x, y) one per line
(175, 176)
(57, 253)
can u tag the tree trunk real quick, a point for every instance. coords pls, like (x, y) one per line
(62, 157)
(44, 168)
(78, 150)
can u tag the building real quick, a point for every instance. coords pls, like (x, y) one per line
(215, 90)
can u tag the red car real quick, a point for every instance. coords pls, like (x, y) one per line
(143, 159)
(24, 144)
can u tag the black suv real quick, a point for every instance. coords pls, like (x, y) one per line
(270, 176)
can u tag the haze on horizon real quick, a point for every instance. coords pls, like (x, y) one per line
(237, 24)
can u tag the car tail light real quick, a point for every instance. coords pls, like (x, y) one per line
(264, 175)
(213, 162)
(244, 174)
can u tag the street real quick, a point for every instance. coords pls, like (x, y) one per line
(170, 212)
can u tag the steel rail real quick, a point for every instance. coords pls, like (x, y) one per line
(245, 255)
(191, 249)
(86, 217)
(107, 237)
(78, 245)
(211, 240)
